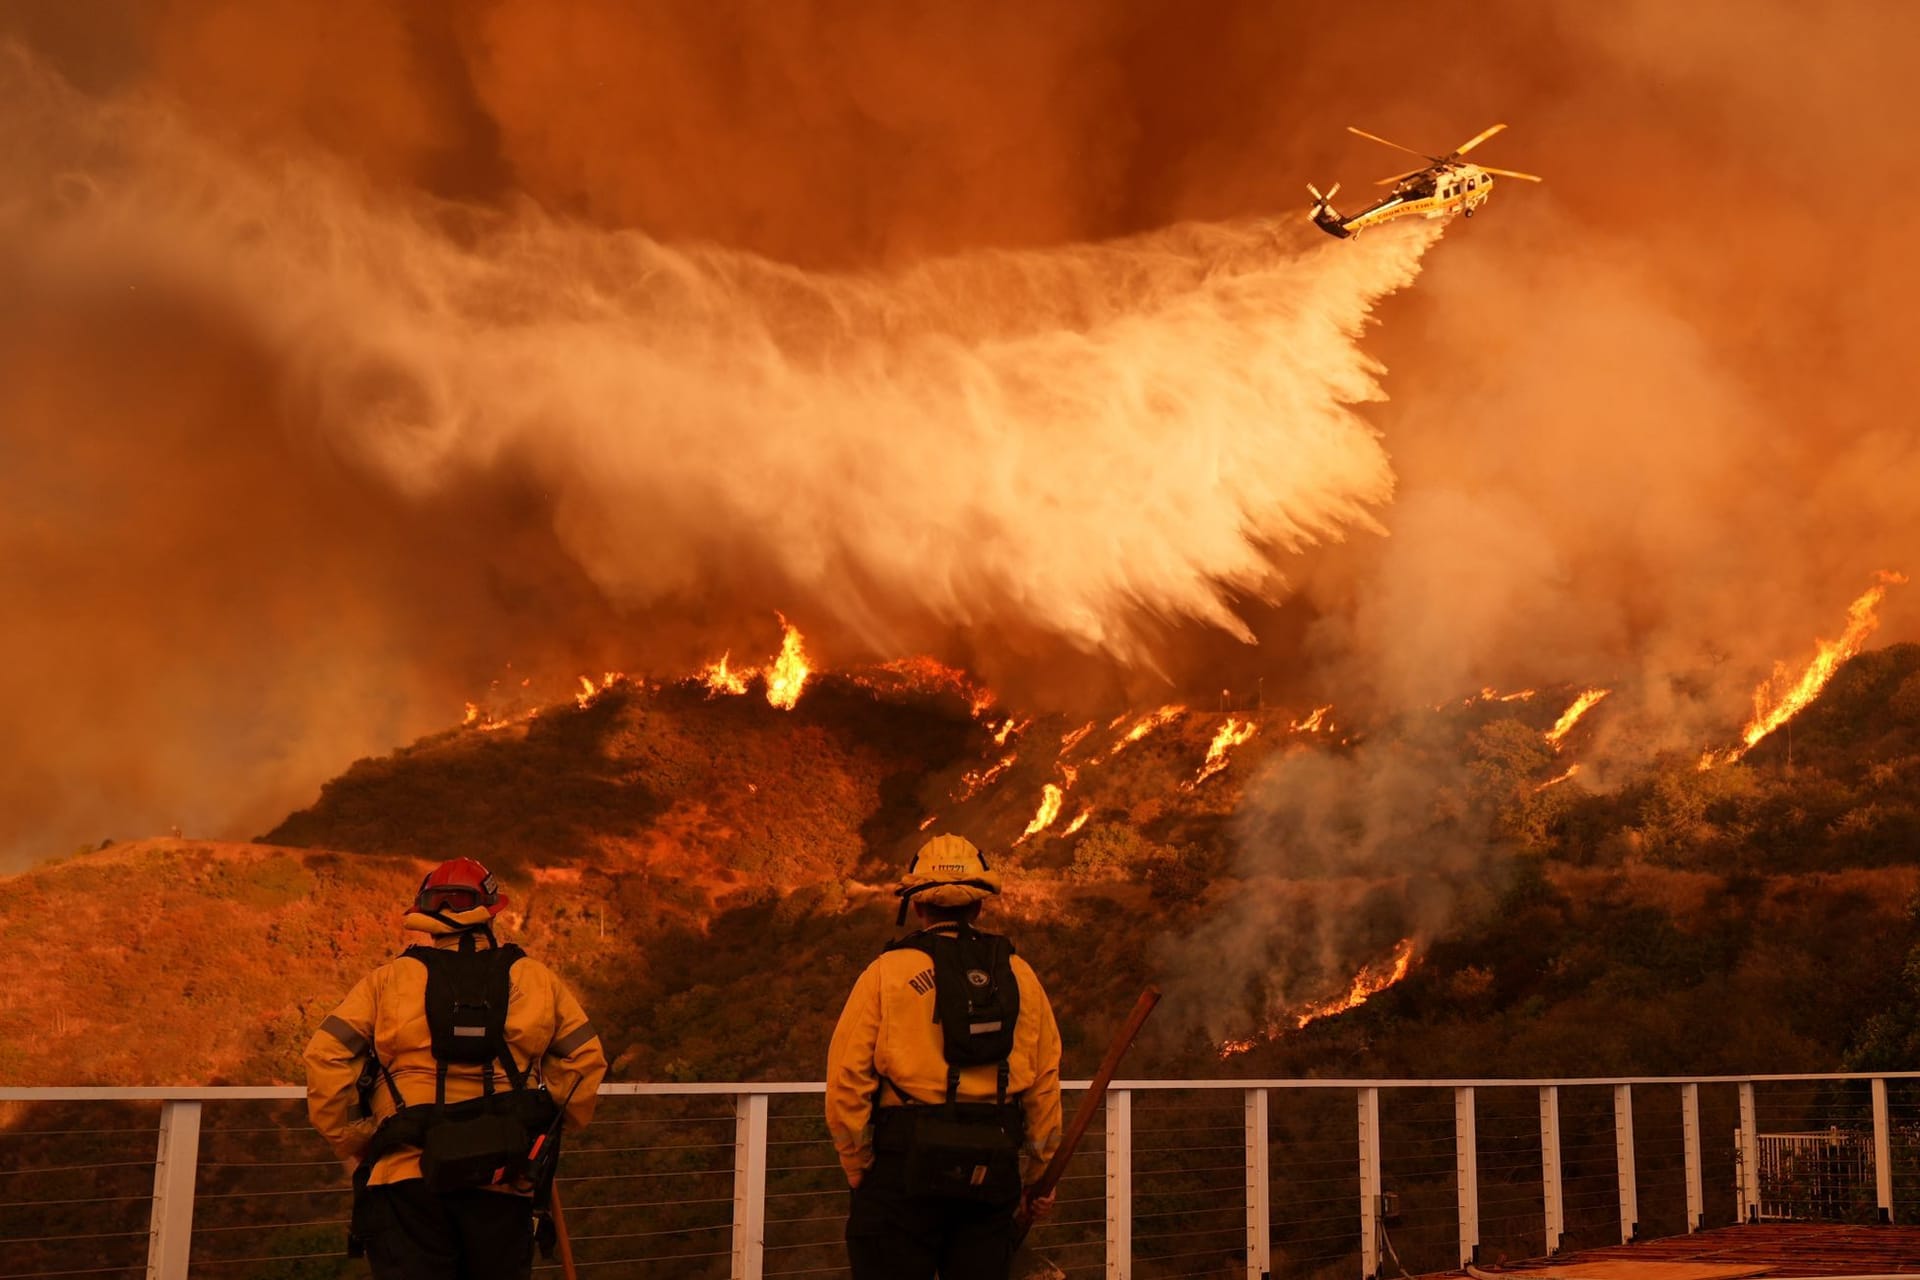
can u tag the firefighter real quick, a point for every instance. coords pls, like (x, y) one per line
(434, 1079)
(943, 1085)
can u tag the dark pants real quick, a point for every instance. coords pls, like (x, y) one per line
(412, 1233)
(895, 1236)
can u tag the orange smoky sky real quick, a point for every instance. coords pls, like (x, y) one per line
(351, 352)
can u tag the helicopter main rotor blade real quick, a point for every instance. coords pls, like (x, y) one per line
(1512, 173)
(1476, 140)
(1374, 137)
(1387, 182)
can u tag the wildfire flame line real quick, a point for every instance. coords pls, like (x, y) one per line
(785, 678)
(1560, 777)
(1050, 798)
(1772, 709)
(1571, 716)
(1233, 733)
(1145, 725)
(719, 678)
(1314, 721)
(1369, 982)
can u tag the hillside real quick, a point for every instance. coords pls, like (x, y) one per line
(710, 872)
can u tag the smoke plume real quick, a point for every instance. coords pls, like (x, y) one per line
(1080, 438)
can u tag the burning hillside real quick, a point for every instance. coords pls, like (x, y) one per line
(1292, 883)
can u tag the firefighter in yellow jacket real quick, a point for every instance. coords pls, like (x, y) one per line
(943, 1085)
(438, 1078)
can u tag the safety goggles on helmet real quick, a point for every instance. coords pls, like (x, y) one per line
(458, 886)
(453, 898)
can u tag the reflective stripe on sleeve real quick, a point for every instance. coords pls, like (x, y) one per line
(565, 1045)
(337, 1027)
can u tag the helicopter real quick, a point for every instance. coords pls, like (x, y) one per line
(1443, 187)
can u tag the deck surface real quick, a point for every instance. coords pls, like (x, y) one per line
(1777, 1249)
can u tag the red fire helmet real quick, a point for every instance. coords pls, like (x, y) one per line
(457, 885)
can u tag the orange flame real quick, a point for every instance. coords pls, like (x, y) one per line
(929, 820)
(788, 675)
(1369, 982)
(1557, 778)
(1009, 729)
(974, 780)
(719, 679)
(1314, 722)
(473, 713)
(1232, 734)
(1078, 822)
(1145, 725)
(1571, 716)
(1780, 697)
(1050, 798)
(1069, 741)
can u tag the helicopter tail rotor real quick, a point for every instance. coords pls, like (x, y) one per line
(1322, 203)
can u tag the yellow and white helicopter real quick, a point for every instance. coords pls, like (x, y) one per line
(1443, 187)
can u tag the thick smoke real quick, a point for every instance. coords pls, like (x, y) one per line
(1080, 438)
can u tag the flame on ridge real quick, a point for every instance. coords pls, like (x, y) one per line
(1314, 721)
(1050, 798)
(1780, 697)
(1233, 733)
(1078, 822)
(589, 690)
(1145, 725)
(788, 675)
(785, 678)
(1369, 982)
(1069, 741)
(719, 678)
(1571, 716)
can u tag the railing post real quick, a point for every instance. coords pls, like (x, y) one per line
(176, 1163)
(1882, 1151)
(1623, 1162)
(1371, 1184)
(1466, 1164)
(749, 1185)
(1690, 1144)
(1749, 1171)
(1259, 1189)
(1119, 1184)
(1556, 1211)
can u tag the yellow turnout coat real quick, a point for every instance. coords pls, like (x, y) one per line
(887, 1029)
(547, 1033)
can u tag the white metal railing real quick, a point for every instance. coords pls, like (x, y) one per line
(1433, 1165)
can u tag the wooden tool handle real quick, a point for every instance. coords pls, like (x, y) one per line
(1095, 1094)
(560, 1236)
